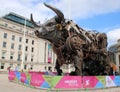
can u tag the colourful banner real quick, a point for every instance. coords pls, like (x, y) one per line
(94, 82)
(89, 81)
(28, 79)
(23, 77)
(36, 80)
(48, 83)
(101, 82)
(117, 80)
(110, 81)
(18, 75)
(45, 81)
(11, 75)
(69, 82)
(49, 53)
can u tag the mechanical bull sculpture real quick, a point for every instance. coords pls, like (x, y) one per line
(86, 50)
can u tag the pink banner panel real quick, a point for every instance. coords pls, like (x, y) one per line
(49, 53)
(23, 77)
(70, 82)
(11, 75)
(36, 80)
(89, 81)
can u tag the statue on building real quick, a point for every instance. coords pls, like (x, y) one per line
(86, 50)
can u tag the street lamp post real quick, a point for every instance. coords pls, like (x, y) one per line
(23, 45)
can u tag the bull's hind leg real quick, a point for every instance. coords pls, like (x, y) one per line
(78, 62)
(78, 65)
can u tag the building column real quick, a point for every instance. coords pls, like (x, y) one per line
(118, 61)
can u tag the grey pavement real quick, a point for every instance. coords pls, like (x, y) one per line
(7, 86)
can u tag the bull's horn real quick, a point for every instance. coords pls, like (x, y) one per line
(31, 18)
(58, 12)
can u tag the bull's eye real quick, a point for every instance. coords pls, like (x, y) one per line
(50, 24)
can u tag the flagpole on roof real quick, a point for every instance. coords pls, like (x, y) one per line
(23, 45)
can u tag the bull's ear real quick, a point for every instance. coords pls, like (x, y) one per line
(31, 18)
(60, 15)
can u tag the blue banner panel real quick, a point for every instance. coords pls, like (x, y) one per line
(18, 75)
(117, 80)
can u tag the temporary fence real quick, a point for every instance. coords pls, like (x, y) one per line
(40, 80)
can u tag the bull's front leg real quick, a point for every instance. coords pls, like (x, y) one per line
(78, 62)
(57, 67)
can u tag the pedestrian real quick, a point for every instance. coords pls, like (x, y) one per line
(46, 72)
(8, 69)
(16, 68)
(50, 73)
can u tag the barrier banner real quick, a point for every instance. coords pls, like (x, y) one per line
(23, 77)
(110, 81)
(36, 80)
(68, 82)
(117, 80)
(101, 82)
(18, 75)
(28, 79)
(89, 81)
(48, 81)
(11, 75)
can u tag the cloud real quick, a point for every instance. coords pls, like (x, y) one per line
(75, 9)
(87, 8)
(113, 35)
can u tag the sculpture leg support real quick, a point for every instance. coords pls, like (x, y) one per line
(57, 67)
(78, 65)
(78, 62)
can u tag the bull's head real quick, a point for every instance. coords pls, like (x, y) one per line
(50, 28)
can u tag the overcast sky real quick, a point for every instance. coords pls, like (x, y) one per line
(99, 15)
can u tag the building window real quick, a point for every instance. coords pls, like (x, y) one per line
(4, 44)
(25, 57)
(12, 45)
(31, 58)
(18, 65)
(2, 65)
(26, 40)
(13, 37)
(119, 59)
(5, 35)
(32, 50)
(11, 55)
(6, 25)
(32, 42)
(20, 39)
(31, 67)
(11, 64)
(19, 57)
(25, 66)
(19, 47)
(3, 55)
(26, 48)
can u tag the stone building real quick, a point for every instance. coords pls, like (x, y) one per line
(115, 49)
(17, 48)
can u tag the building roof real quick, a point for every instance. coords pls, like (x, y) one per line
(18, 19)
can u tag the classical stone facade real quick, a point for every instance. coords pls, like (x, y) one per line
(115, 49)
(15, 48)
